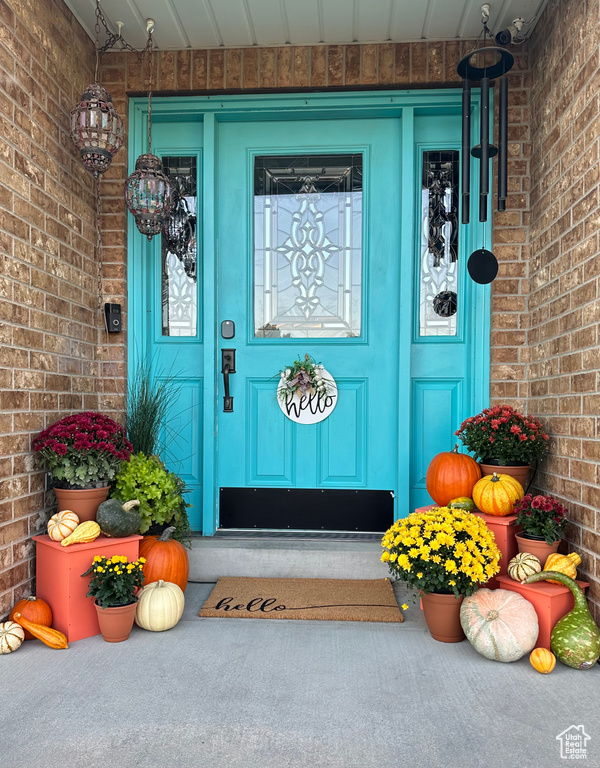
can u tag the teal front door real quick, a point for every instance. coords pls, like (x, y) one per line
(308, 234)
(327, 225)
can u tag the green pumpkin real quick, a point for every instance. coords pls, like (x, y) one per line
(575, 639)
(117, 519)
(462, 502)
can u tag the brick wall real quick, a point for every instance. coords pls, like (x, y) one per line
(564, 300)
(48, 296)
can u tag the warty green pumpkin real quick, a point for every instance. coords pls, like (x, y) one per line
(575, 639)
(119, 520)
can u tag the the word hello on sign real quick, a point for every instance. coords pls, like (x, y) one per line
(310, 408)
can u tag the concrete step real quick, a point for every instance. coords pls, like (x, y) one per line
(285, 557)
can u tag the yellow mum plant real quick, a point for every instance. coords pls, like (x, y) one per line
(443, 550)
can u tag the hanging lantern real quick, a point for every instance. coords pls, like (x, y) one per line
(148, 191)
(96, 129)
(148, 195)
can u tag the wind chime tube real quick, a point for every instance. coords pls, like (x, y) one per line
(484, 142)
(502, 144)
(466, 151)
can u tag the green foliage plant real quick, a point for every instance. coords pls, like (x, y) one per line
(149, 398)
(159, 491)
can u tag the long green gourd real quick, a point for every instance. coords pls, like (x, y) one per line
(575, 639)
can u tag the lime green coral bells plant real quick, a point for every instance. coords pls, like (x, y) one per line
(158, 490)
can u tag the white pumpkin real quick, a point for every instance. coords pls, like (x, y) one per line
(11, 636)
(500, 624)
(62, 524)
(160, 606)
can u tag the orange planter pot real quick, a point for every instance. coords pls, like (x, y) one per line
(442, 614)
(83, 501)
(538, 548)
(116, 622)
(520, 472)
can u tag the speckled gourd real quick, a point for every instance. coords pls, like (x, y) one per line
(575, 639)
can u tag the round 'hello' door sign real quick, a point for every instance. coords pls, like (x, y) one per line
(306, 393)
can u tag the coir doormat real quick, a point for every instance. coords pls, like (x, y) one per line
(325, 599)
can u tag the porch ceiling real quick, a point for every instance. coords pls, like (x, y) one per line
(184, 24)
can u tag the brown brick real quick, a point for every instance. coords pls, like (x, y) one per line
(284, 67)
(301, 66)
(318, 75)
(184, 70)
(199, 70)
(250, 64)
(335, 65)
(233, 76)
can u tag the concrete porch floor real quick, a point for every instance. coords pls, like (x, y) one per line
(240, 693)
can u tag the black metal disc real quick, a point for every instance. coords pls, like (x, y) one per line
(468, 72)
(482, 266)
(476, 151)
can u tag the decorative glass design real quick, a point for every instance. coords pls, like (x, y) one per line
(438, 285)
(179, 251)
(307, 246)
(96, 129)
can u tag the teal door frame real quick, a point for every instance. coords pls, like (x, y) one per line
(207, 111)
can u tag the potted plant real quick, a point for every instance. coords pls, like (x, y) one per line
(542, 520)
(445, 554)
(83, 453)
(160, 494)
(503, 437)
(113, 586)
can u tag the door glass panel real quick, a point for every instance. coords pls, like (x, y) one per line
(438, 284)
(308, 246)
(179, 294)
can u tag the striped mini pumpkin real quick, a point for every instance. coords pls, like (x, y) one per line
(11, 636)
(523, 565)
(62, 524)
(496, 494)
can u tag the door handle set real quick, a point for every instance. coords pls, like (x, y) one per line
(227, 367)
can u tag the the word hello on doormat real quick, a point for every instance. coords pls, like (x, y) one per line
(324, 599)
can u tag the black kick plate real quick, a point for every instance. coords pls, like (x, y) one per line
(306, 509)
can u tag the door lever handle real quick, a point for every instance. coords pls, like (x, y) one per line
(227, 367)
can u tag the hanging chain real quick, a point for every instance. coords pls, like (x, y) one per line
(111, 38)
(149, 51)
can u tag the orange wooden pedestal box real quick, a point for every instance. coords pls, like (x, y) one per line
(551, 602)
(59, 582)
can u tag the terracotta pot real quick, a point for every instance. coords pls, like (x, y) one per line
(519, 471)
(537, 547)
(83, 501)
(442, 614)
(116, 622)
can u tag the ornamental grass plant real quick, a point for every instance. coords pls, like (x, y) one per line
(114, 580)
(447, 551)
(504, 435)
(84, 450)
(541, 516)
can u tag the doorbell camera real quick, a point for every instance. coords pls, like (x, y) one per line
(112, 313)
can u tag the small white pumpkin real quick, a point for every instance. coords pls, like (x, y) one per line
(11, 636)
(160, 606)
(523, 565)
(62, 524)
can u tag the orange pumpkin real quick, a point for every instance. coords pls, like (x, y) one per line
(542, 660)
(33, 609)
(496, 494)
(62, 524)
(451, 474)
(166, 559)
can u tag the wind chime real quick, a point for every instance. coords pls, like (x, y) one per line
(484, 65)
(148, 189)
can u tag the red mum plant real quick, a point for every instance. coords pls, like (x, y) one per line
(504, 434)
(541, 516)
(84, 450)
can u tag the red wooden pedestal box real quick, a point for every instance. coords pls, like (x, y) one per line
(551, 602)
(59, 582)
